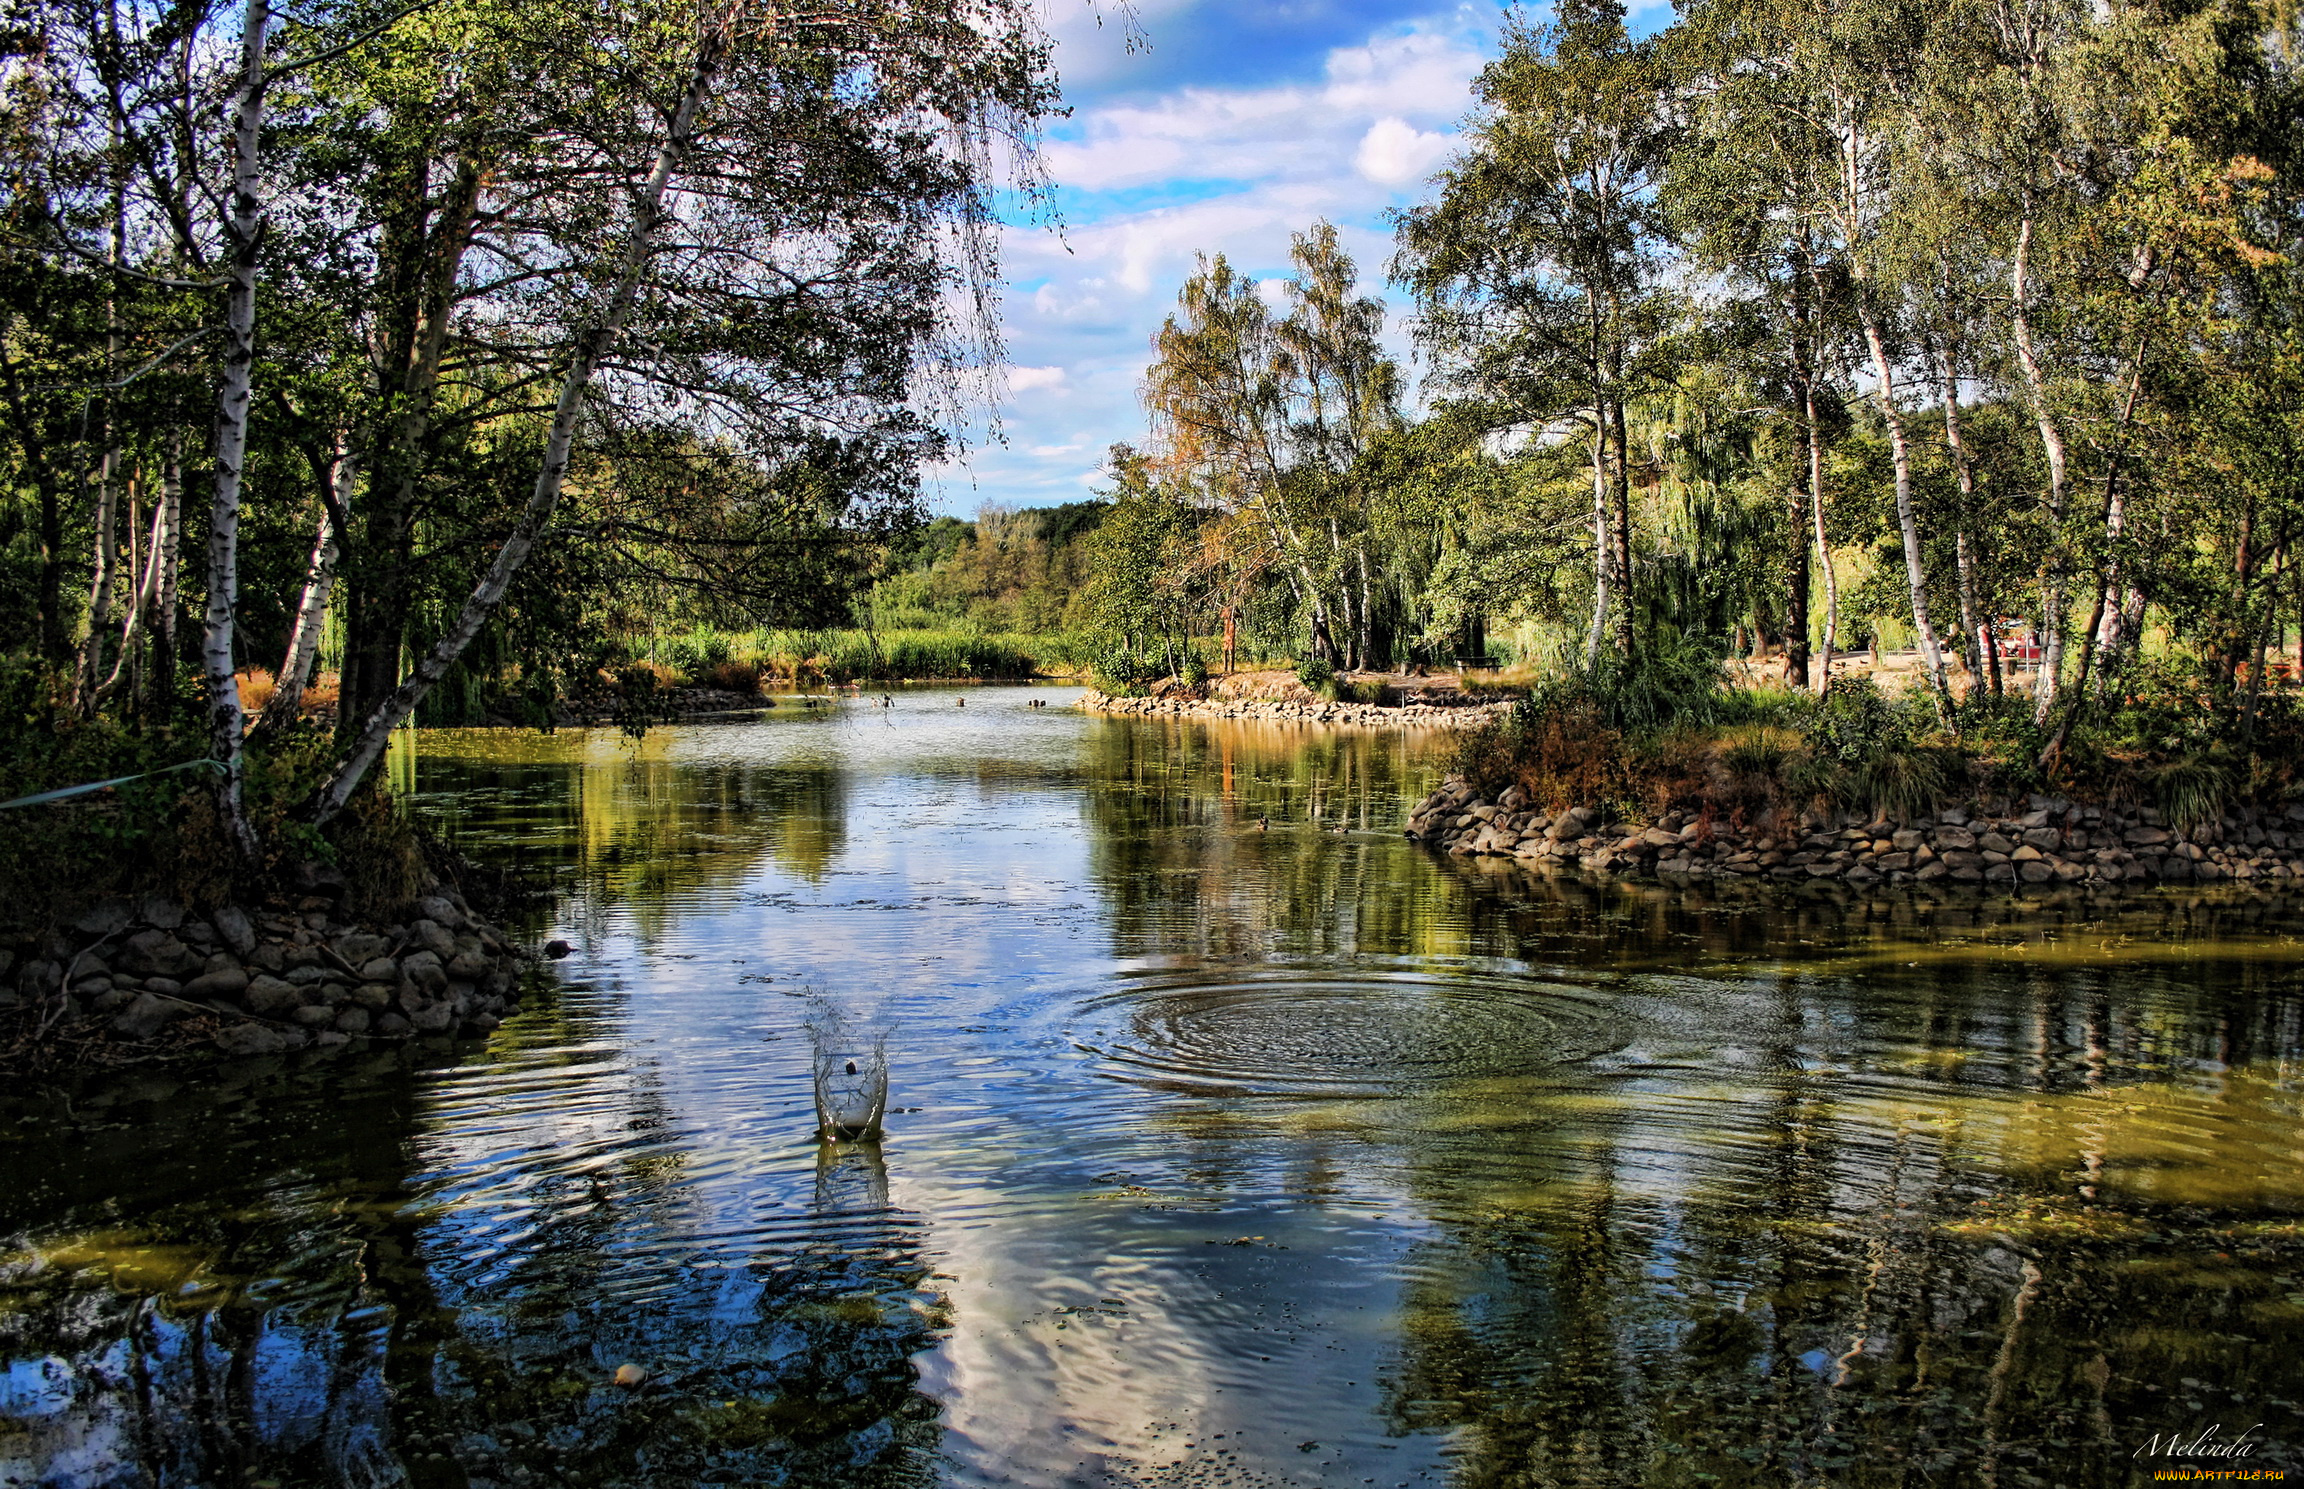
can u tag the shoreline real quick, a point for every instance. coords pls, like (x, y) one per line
(2042, 843)
(1316, 711)
(150, 982)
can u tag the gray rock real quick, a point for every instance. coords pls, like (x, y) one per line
(353, 1020)
(2035, 871)
(219, 984)
(423, 969)
(434, 937)
(251, 1039)
(360, 948)
(166, 986)
(232, 926)
(269, 994)
(311, 974)
(107, 919)
(156, 953)
(392, 1024)
(2047, 839)
(111, 1000)
(380, 969)
(432, 1018)
(146, 1017)
(220, 961)
(314, 1015)
(162, 912)
(330, 1039)
(373, 995)
(1992, 842)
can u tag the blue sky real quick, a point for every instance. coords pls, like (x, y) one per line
(1237, 125)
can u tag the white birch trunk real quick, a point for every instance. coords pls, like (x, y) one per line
(2051, 445)
(227, 724)
(287, 699)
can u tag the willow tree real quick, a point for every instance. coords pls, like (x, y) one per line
(1535, 269)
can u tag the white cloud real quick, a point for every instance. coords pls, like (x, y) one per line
(1394, 152)
(1024, 379)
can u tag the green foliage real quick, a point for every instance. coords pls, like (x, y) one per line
(1316, 673)
(1194, 672)
(1672, 683)
(1122, 673)
(2192, 790)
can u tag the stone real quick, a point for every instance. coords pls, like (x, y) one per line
(220, 961)
(1992, 842)
(1954, 839)
(330, 1039)
(434, 937)
(165, 986)
(380, 969)
(1657, 837)
(375, 995)
(222, 983)
(2027, 854)
(353, 1020)
(392, 1024)
(147, 1016)
(1928, 873)
(233, 929)
(2145, 837)
(314, 1015)
(557, 949)
(2035, 871)
(1890, 862)
(107, 919)
(2046, 839)
(335, 994)
(360, 948)
(423, 969)
(1905, 840)
(432, 1018)
(111, 1000)
(268, 994)
(245, 1038)
(310, 974)
(161, 912)
(155, 953)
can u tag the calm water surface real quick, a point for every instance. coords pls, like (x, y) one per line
(1220, 1156)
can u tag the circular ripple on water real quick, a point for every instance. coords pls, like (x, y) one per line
(1325, 1033)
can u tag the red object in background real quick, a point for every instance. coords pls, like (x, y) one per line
(2016, 641)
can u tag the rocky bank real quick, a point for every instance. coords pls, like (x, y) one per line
(2043, 840)
(1412, 714)
(133, 979)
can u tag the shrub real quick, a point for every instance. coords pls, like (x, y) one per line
(1122, 673)
(1195, 670)
(736, 677)
(1316, 673)
(2192, 789)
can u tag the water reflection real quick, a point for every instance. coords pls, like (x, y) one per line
(1216, 1153)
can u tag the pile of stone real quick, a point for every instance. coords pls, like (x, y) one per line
(270, 980)
(1410, 714)
(2043, 840)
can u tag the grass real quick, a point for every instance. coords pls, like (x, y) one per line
(742, 660)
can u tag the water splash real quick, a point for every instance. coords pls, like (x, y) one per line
(851, 1075)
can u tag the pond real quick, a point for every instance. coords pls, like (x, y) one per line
(1232, 1140)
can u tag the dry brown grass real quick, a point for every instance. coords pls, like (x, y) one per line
(256, 688)
(736, 677)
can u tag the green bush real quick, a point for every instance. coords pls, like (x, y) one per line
(1316, 673)
(1195, 670)
(1122, 674)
